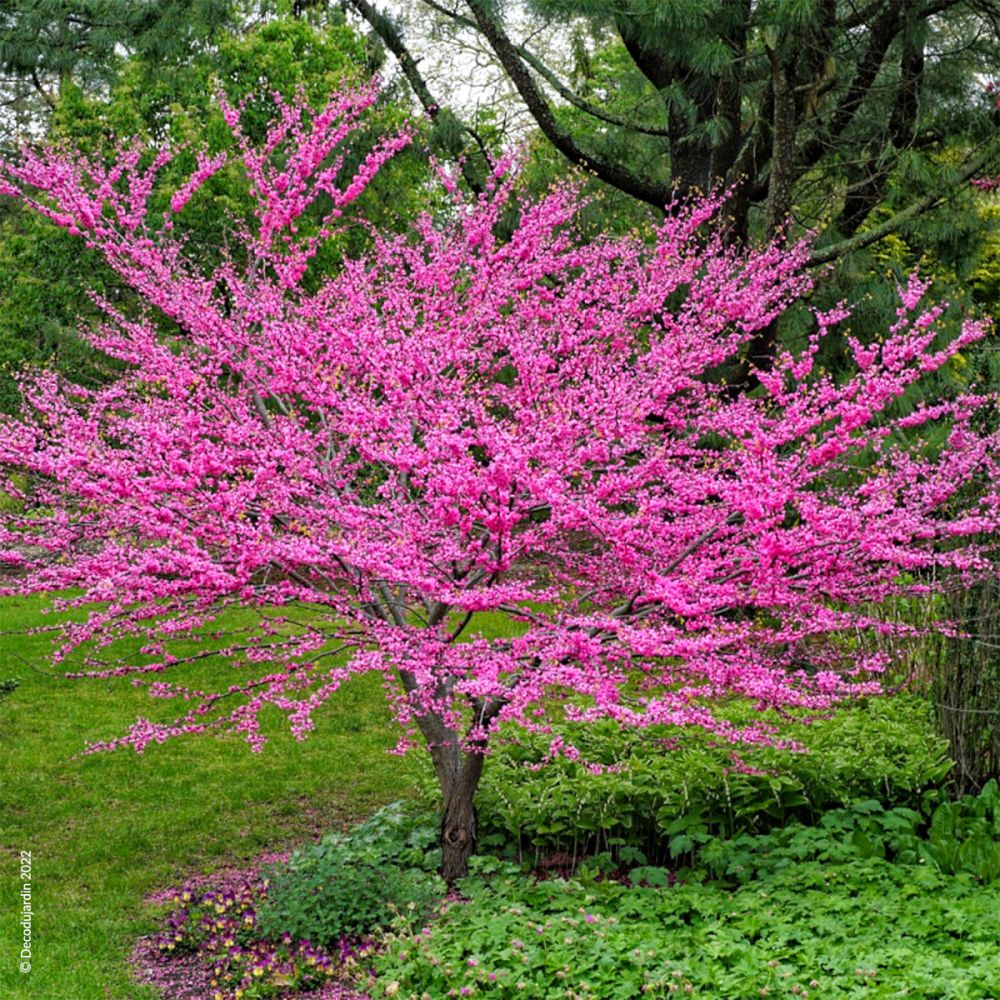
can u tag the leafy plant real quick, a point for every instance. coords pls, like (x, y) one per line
(965, 835)
(218, 927)
(862, 928)
(958, 837)
(665, 794)
(350, 883)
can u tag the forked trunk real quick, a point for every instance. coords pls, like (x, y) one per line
(458, 773)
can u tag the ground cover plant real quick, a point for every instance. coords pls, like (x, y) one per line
(871, 901)
(307, 921)
(953, 837)
(856, 929)
(461, 423)
(348, 885)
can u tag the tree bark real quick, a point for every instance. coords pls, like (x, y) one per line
(763, 345)
(458, 764)
(689, 158)
(729, 95)
(782, 178)
(458, 774)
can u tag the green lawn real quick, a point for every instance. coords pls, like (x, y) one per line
(107, 829)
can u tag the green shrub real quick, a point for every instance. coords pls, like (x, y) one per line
(958, 837)
(865, 928)
(348, 884)
(965, 835)
(667, 790)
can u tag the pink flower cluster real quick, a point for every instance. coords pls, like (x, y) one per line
(457, 423)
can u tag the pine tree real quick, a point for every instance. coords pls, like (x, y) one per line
(46, 45)
(818, 110)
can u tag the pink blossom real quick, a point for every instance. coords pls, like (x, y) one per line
(456, 424)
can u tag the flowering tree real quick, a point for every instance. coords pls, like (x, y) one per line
(458, 424)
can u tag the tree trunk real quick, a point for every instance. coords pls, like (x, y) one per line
(458, 771)
(779, 194)
(763, 345)
(458, 774)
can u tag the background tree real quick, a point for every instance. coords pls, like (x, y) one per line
(456, 428)
(806, 104)
(45, 278)
(47, 45)
(856, 120)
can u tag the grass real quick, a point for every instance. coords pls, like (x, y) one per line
(107, 829)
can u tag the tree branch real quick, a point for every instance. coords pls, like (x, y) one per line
(974, 166)
(614, 174)
(883, 30)
(393, 41)
(554, 82)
